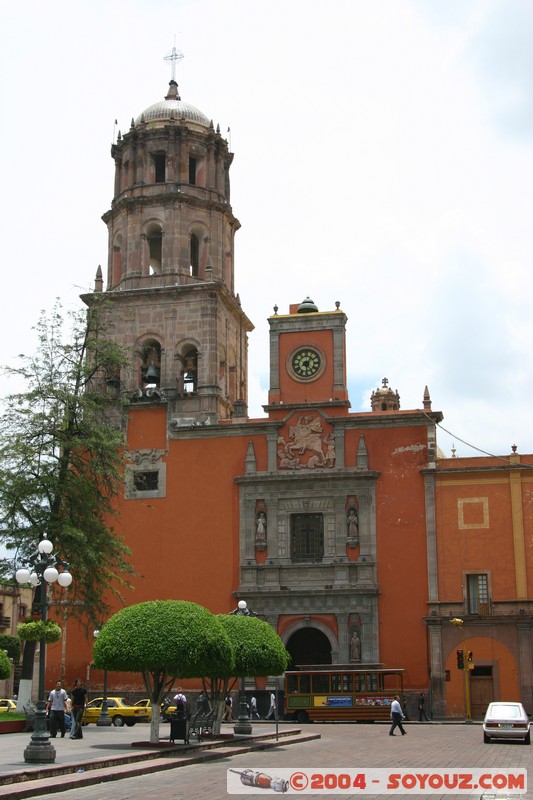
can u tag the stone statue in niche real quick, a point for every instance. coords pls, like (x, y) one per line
(352, 523)
(260, 531)
(355, 647)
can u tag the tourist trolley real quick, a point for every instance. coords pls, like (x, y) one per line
(341, 692)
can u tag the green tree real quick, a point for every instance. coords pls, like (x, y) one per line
(60, 457)
(12, 645)
(257, 651)
(5, 666)
(163, 640)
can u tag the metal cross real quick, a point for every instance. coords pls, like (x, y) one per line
(174, 57)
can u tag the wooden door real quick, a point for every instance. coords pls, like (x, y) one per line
(481, 693)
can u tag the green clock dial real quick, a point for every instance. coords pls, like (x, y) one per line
(306, 363)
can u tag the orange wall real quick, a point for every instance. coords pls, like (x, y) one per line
(401, 545)
(484, 549)
(185, 546)
(486, 650)
(318, 390)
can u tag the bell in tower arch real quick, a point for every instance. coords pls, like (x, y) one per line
(151, 363)
(153, 374)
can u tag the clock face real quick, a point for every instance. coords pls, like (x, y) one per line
(306, 363)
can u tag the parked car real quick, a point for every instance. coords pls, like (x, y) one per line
(506, 721)
(7, 705)
(120, 711)
(167, 708)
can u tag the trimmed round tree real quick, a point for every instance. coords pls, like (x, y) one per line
(163, 640)
(257, 651)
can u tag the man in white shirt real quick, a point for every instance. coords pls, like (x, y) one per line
(253, 709)
(397, 716)
(272, 709)
(57, 705)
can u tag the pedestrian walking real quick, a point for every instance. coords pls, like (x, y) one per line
(228, 709)
(397, 716)
(422, 708)
(202, 705)
(254, 713)
(57, 705)
(78, 696)
(272, 709)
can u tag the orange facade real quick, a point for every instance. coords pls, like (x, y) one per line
(328, 523)
(485, 571)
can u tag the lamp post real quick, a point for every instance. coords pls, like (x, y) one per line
(41, 571)
(104, 718)
(242, 725)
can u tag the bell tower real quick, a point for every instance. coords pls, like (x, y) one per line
(170, 270)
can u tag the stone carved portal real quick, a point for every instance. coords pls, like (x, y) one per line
(308, 445)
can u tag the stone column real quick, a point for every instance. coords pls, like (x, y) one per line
(437, 679)
(525, 662)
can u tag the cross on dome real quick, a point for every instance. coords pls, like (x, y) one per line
(173, 57)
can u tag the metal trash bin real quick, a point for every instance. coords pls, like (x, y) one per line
(179, 728)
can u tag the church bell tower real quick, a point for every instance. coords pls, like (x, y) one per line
(170, 271)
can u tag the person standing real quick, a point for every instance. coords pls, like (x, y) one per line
(57, 705)
(181, 703)
(422, 709)
(78, 696)
(397, 716)
(272, 709)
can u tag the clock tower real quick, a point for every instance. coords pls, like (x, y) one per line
(308, 358)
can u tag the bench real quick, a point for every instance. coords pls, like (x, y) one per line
(201, 724)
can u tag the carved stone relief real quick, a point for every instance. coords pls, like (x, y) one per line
(307, 446)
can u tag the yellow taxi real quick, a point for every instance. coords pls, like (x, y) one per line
(166, 708)
(7, 705)
(145, 704)
(120, 711)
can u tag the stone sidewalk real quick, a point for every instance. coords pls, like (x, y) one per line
(109, 754)
(343, 746)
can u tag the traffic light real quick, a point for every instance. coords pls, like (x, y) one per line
(470, 657)
(460, 659)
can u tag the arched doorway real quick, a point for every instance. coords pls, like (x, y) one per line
(309, 646)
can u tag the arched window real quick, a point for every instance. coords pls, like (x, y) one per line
(154, 237)
(159, 167)
(190, 371)
(195, 255)
(117, 260)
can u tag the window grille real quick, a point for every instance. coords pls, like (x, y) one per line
(307, 537)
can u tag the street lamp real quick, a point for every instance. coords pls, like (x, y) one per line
(104, 718)
(42, 570)
(242, 725)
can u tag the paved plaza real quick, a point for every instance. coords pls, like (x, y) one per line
(343, 746)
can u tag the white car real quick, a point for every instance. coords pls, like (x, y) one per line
(506, 721)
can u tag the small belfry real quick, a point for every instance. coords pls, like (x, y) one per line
(170, 271)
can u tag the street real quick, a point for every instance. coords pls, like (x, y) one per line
(449, 746)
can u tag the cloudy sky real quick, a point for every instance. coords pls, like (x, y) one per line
(383, 158)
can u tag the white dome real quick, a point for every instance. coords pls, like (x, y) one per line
(173, 107)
